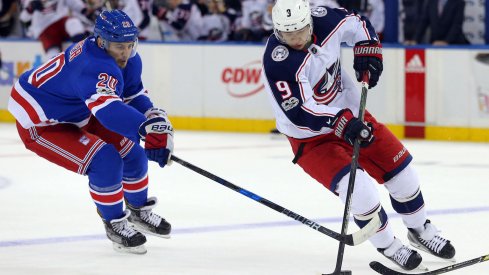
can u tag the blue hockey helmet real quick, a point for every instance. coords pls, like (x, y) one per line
(115, 26)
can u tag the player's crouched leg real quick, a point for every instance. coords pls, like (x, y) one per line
(105, 175)
(135, 184)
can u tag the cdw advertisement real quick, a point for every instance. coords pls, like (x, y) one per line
(233, 85)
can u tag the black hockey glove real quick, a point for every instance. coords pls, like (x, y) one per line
(349, 128)
(368, 57)
(35, 5)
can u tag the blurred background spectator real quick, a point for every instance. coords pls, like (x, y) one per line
(216, 25)
(324, 3)
(439, 22)
(374, 10)
(51, 22)
(8, 15)
(412, 9)
(252, 25)
(179, 20)
(444, 19)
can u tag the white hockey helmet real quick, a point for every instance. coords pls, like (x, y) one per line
(290, 16)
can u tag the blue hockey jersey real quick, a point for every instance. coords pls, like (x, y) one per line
(80, 82)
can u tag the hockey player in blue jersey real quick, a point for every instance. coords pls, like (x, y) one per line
(314, 102)
(86, 110)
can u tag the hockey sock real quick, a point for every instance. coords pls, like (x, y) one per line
(412, 209)
(108, 201)
(135, 177)
(136, 191)
(384, 236)
(105, 176)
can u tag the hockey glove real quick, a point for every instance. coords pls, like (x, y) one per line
(349, 128)
(368, 57)
(157, 134)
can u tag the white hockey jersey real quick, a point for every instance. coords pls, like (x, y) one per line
(308, 88)
(53, 11)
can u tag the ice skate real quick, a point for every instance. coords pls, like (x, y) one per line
(146, 221)
(124, 238)
(430, 241)
(402, 255)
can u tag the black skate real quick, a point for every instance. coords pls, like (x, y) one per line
(431, 242)
(402, 255)
(148, 222)
(124, 238)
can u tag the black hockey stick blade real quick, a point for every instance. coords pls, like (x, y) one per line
(382, 269)
(356, 238)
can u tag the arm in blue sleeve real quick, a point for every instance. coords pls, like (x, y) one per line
(141, 103)
(122, 119)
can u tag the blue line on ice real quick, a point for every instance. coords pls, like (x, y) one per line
(231, 227)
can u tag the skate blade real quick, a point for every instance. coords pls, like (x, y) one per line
(145, 231)
(139, 250)
(421, 267)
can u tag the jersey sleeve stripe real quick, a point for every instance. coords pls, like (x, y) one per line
(97, 102)
(316, 113)
(367, 33)
(333, 31)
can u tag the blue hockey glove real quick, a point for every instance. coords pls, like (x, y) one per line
(368, 58)
(349, 128)
(157, 134)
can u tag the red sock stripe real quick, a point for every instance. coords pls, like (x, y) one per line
(109, 198)
(135, 186)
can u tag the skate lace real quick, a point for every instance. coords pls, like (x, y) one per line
(435, 244)
(123, 229)
(402, 255)
(151, 218)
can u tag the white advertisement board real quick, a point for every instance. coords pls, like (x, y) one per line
(223, 81)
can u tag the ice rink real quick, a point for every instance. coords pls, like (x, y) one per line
(49, 224)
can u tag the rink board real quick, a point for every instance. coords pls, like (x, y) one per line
(218, 87)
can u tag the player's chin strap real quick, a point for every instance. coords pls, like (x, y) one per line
(352, 239)
(351, 181)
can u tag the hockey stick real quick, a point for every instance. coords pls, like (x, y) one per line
(353, 239)
(351, 182)
(382, 269)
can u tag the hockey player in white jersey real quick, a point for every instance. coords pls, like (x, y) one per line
(50, 21)
(314, 102)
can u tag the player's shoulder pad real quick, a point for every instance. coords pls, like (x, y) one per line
(326, 20)
(280, 61)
